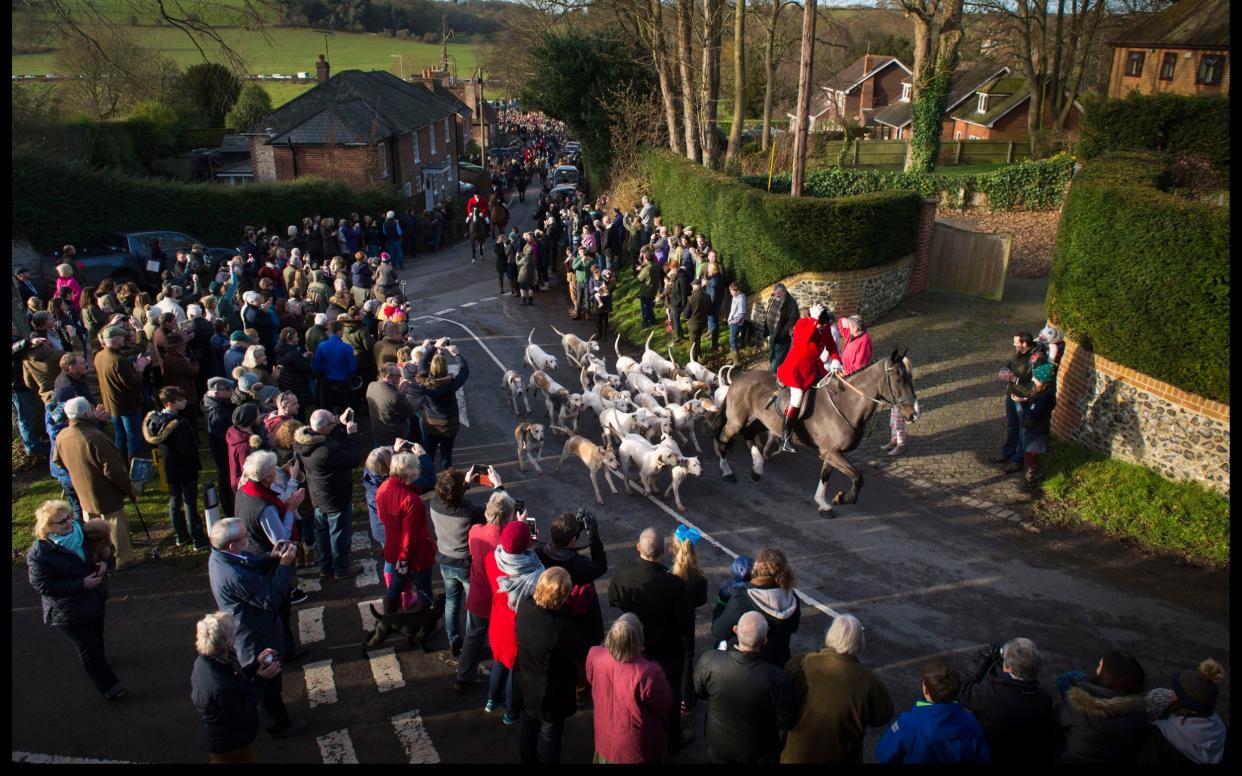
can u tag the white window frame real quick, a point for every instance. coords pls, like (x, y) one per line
(907, 91)
(957, 135)
(982, 106)
(417, 157)
(432, 131)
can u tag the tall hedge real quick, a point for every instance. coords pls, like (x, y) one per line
(764, 237)
(1141, 277)
(1172, 124)
(57, 202)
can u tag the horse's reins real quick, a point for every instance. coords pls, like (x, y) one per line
(881, 402)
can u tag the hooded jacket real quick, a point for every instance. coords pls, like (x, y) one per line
(934, 733)
(749, 703)
(178, 443)
(1185, 740)
(1099, 725)
(550, 649)
(328, 463)
(778, 606)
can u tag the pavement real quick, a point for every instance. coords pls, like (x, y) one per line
(927, 572)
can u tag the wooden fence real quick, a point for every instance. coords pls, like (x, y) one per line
(821, 152)
(968, 262)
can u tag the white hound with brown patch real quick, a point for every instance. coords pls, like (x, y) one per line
(685, 467)
(529, 439)
(662, 366)
(575, 347)
(516, 386)
(650, 459)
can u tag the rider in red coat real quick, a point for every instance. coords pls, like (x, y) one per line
(812, 354)
(475, 206)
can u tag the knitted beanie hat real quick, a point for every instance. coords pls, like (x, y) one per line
(515, 537)
(1197, 690)
(1043, 373)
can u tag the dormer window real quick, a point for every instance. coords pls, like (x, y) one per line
(906, 91)
(983, 104)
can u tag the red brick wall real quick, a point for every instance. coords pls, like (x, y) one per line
(354, 165)
(1148, 82)
(887, 87)
(922, 249)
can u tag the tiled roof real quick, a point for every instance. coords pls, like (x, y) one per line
(1186, 24)
(356, 107)
(965, 84)
(849, 76)
(234, 144)
(1013, 94)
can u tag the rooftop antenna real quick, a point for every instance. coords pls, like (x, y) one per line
(325, 33)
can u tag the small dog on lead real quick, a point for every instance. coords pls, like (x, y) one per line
(415, 624)
(529, 439)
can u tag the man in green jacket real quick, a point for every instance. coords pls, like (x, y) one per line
(696, 317)
(778, 323)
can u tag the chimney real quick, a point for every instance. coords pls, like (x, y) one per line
(866, 97)
(321, 69)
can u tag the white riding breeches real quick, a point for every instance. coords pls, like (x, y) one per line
(795, 397)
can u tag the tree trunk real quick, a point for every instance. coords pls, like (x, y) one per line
(688, 93)
(668, 87)
(769, 67)
(803, 109)
(710, 90)
(739, 84)
(937, 39)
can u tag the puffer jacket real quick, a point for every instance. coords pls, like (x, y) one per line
(778, 606)
(358, 338)
(749, 703)
(328, 463)
(178, 443)
(1016, 714)
(1099, 725)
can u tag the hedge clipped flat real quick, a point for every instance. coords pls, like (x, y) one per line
(1173, 124)
(1141, 277)
(764, 237)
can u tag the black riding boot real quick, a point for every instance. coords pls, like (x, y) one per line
(787, 435)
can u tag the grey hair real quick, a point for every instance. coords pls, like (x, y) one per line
(258, 464)
(252, 297)
(1022, 658)
(499, 508)
(321, 319)
(404, 467)
(752, 631)
(226, 531)
(379, 460)
(650, 544)
(78, 407)
(390, 370)
(625, 638)
(321, 419)
(214, 634)
(194, 311)
(845, 635)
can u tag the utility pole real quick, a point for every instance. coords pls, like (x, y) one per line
(803, 110)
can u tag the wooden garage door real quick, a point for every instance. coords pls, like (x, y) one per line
(968, 262)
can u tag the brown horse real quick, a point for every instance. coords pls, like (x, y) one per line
(499, 215)
(478, 235)
(834, 423)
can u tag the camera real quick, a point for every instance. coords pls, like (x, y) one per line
(519, 506)
(583, 517)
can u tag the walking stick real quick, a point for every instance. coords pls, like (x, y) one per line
(155, 553)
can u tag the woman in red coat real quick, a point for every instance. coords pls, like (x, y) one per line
(409, 551)
(812, 353)
(513, 570)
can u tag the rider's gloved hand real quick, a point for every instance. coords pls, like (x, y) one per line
(835, 366)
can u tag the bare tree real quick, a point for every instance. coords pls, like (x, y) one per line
(937, 38)
(689, 94)
(709, 88)
(802, 111)
(739, 82)
(776, 46)
(654, 29)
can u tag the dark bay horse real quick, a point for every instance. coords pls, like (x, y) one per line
(834, 424)
(478, 235)
(499, 215)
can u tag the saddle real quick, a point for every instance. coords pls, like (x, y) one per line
(781, 398)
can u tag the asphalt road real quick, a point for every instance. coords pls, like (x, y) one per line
(925, 576)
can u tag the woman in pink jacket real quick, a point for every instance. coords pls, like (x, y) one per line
(855, 343)
(632, 697)
(65, 279)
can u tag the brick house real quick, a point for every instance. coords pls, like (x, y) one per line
(364, 128)
(856, 92)
(1184, 49)
(893, 122)
(998, 109)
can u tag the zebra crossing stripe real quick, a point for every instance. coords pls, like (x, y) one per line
(364, 611)
(320, 684)
(386, 669)
(310, 625)
(310, 585)
(368, 576)
(414, 738)
(337, 748)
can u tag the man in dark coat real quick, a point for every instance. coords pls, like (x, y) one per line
(218, 409)
(1028, 354)
(178, 442)
(328, 450)
(1015, 712)
(562, 551)
(391, 406)
(648, 589)
(749, 700)
(778, 323)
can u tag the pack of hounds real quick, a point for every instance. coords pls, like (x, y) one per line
(646, 409)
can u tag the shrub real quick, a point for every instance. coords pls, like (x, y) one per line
(68, 202)
(155, 126)
(254, 105)
(1171, 124)
(765, 237)
(1141, 276)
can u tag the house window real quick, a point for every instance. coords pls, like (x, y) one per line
(982, 107)
(432, 131)
(1167, 65)
(906, 90)
(417, 160)
(1211, 68)
(1134, 63)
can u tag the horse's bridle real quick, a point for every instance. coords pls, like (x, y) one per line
(878, 399)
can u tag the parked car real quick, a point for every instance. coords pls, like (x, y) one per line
(124, 256)
(561, 192)
(565, 173)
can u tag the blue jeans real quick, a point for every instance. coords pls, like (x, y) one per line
(333, 531)
(713, 326)
(433, 443)
(1014, 444)
(422, 583)
(394, 253)
(648, 308)
(127, 434)
(29, 417)
(377, 526)
(501, 678)
(456, 586)
(734, 330)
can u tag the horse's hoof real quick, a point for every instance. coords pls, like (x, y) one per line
(828, 513)
(755, 476)
(729, 477)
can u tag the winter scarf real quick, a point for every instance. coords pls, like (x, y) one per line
(71, 541)
(523, 572)
(261, 491)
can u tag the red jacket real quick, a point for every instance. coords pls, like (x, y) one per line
(482, 541)
(238, 442)
(474, 203)
(632, 702)
(502, 625)
(406, 536)
(855, 351)
(802, 367)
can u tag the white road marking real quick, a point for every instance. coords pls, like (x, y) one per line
(467, 304)
(368, 576)
(360, 542)
(337, 748)
(310, 625)
(60, 759)
(414, 738)
(364, 611)
(485, 299)
(386, 669)
(444, 312)
(320, 684)
(808, 600)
